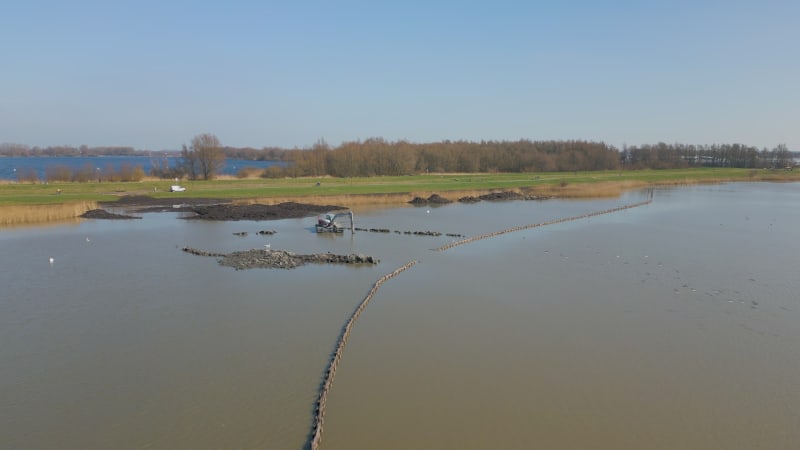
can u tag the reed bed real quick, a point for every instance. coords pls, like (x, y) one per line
(32, 214)
(600, 189)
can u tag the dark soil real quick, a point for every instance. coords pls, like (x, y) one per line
(499, 196)
(434, 199)
(287, 210)
(144, 203)
(103, 214)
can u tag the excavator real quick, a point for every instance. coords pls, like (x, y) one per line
(335, 222)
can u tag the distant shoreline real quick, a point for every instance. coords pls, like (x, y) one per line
(41, 203)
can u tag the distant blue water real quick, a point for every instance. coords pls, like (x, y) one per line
(10, 167)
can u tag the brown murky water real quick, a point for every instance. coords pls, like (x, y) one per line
(673, 325)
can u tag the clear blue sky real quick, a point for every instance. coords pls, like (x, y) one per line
(152, 74)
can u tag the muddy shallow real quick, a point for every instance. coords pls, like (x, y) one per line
(668, 326)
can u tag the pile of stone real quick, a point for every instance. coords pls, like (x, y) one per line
(415, 233)
(280, 259)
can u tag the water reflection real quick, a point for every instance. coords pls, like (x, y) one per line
(669, 326)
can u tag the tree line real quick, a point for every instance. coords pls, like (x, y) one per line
(25, 151)
(205, 156)
(670, 156)
(84, 174)
(376, 156)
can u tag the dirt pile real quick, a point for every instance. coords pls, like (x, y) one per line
(103, 214)
(144, 203)
(286, 210)
(499, 196)
(434, 199)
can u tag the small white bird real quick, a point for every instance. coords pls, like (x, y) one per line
(267, 246)
(87, 238)
(51, 260)
(428, 211)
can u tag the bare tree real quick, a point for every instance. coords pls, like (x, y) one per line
(203, 157)
(783, 158)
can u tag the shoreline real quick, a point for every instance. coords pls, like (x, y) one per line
(590, 185)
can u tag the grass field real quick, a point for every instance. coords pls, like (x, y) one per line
(71, 197)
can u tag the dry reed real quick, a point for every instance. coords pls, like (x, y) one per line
(30, 214)
(601, 189)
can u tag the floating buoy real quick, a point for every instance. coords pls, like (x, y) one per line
(51, 260)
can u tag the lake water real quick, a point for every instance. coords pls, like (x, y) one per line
(672, 325)
(11, 167)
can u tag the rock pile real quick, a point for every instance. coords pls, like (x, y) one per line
(415, 233)
(280, 259)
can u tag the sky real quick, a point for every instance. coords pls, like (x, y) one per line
(153, 74)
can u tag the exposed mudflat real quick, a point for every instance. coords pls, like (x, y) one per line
(436, 199)
(224, 210)
(286, 210)
(103, 214)
(145, 203)
(215, 208)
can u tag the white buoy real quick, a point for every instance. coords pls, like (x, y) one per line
(428, 211)
(51, 260)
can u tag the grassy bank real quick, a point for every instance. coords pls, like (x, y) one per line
(28, 202)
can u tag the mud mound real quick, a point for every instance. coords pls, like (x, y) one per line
(145, 203)
(287, 210)
(498, 196)
(469, 199)
(434, 199)
(103, 214)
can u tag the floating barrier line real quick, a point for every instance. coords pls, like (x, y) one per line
(549, 222)
(330, 372)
